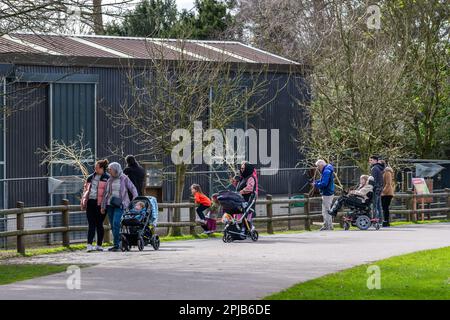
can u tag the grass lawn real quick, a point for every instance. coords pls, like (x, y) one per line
(10, 273)
(419, 275)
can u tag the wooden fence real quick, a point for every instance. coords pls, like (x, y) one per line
(307, 217)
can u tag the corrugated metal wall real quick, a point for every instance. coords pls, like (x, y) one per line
(27, 130)
(113, 90)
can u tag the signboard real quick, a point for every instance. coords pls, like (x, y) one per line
(420, 186)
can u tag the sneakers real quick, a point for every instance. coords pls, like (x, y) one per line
(114, 249)
(90, 248)
(98, 248)
(326, 228)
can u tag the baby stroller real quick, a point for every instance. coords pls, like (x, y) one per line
(138, 229)
(234, 205)
(360, 213)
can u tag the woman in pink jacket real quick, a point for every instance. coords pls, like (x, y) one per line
(94, 189)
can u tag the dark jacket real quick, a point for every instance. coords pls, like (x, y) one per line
(326, 182)
(137, 175)
(376, 171)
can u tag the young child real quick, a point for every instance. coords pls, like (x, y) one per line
(138, 207)
(214, 211)
(203, 202)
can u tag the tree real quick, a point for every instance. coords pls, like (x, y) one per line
(160, 18)
(213, 18)
(382, 90)
(170, 97)
(156, 18)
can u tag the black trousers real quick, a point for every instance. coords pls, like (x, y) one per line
(347, 201)
(201, 215)
(385, 203)
(95, 222)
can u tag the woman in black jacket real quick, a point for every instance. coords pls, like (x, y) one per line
(136, 173)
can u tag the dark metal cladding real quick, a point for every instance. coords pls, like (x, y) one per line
(30, 130)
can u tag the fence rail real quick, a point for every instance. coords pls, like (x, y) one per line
(66, 209)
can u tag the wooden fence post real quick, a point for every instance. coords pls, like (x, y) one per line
(65, 223)
(192, 218)
(409, 205)
(306, 210)
(447, 191)
(269, 211)
(20, 227)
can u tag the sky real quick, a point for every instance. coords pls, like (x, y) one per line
(185, 4)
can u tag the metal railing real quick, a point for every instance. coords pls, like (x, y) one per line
(307, 216)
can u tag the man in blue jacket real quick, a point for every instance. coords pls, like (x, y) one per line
(326, 188)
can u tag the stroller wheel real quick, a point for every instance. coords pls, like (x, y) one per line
(346, 226)
(254, 235)
(140, 244)
(363, 222)
(156, 242)
(124, 245)
(377, 225)
(227, 238)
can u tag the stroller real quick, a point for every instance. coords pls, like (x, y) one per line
(135, 229)
(236, 211)
(360, 214)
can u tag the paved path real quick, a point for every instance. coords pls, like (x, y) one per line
(210, 269)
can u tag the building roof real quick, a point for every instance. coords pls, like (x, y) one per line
(96, 46)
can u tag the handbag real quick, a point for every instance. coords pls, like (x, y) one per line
(116, 202)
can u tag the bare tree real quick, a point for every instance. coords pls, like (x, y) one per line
(75, 154)
(170, 94)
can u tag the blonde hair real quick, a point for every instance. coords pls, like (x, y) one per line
(140, 203)
(365, 177)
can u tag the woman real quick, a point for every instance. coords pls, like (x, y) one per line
(94, 189)
(388, 192)
(248, 184)
(116, 199)
(357, 196)
(136, 174)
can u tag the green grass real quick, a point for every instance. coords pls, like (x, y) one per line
(401, 223)
(10, 273)
(419, 275)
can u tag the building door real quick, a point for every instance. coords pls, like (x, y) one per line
(72, 113)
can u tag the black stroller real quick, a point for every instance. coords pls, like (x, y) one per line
(236, 211)
(135, 229)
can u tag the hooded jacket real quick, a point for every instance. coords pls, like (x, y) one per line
(388, 182)
(377, 174)
(326, 182)
(125, 186)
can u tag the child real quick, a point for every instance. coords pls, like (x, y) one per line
(211, 220)
(138, 207)
(203, 202)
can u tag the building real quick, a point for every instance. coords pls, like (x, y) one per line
(55, 86)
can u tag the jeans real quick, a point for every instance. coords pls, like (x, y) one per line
(326, 205)
(95, 222)
(378, 212)
(114, 216)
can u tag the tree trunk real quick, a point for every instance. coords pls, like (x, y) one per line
(97, 17)
(180, 175)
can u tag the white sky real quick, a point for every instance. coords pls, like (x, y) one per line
(185, 4)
